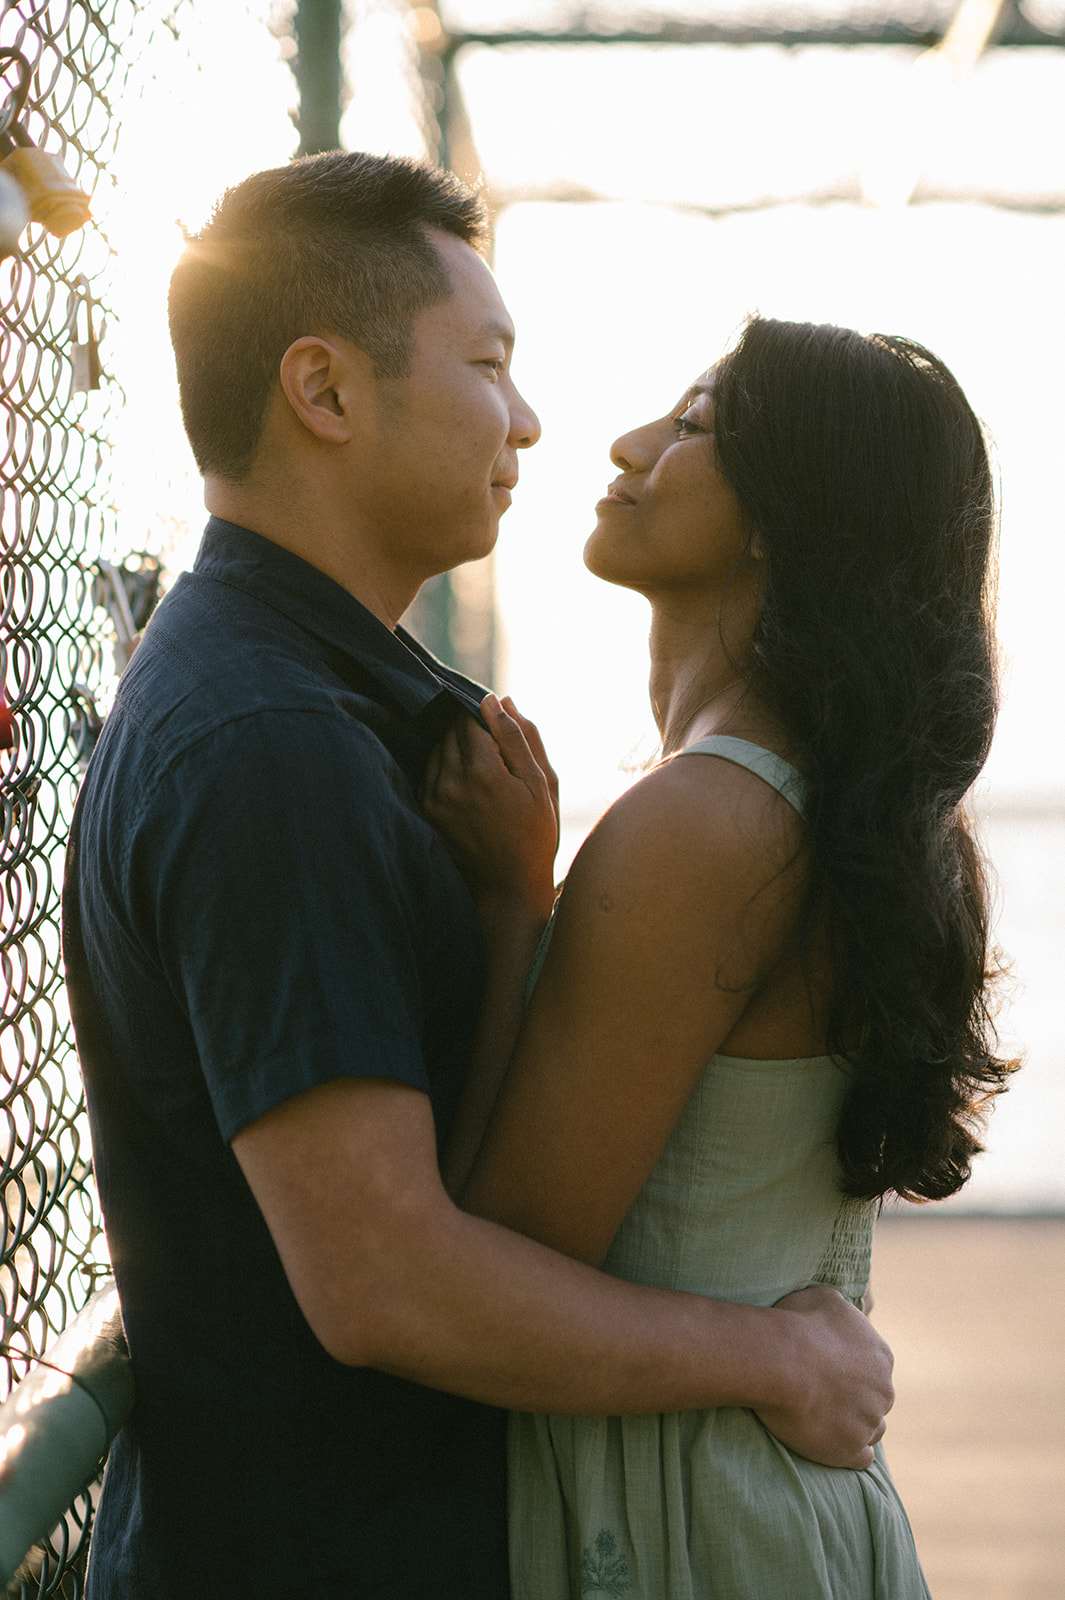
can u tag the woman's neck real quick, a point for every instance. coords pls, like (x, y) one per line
(699, 683)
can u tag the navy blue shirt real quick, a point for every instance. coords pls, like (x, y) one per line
(254, 906)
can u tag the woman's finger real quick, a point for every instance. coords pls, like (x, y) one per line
(431, 775)
(530, 733)
(446, 770)
(536, 745)
(513, 746)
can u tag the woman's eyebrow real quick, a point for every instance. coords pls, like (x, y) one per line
(693, 393)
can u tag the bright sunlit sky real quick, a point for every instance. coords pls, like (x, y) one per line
(619, 303)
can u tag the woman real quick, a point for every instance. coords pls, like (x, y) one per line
(763, 1007)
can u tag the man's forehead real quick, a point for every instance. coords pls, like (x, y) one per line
(475, 300)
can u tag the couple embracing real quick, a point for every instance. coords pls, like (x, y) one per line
(390, 1145)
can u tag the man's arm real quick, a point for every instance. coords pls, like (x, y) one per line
(389, 1273)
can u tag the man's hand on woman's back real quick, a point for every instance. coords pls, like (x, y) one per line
(841, 1377)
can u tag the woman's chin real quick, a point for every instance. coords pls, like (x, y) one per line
(600, 560)
(613, 573)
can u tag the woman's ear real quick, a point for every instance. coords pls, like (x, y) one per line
(321, 381)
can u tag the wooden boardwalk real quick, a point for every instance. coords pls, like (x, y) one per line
(974, 1309)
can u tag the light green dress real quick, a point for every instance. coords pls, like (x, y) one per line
(742, 1205)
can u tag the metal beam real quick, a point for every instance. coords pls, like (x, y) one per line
(318, 76)
(1014, 29)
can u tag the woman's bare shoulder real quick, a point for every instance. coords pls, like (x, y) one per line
(698, 814)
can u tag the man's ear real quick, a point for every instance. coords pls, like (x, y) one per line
(322, 382)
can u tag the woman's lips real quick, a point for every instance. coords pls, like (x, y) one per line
(616, 496)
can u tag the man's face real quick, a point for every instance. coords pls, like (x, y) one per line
(435, 474)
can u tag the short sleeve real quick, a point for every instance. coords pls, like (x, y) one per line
(285, 875)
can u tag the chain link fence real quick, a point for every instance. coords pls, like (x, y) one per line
(57, 409)
(73, 73)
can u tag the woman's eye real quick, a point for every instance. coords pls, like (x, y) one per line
(687, 423)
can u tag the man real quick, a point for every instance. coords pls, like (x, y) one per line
(275, 967)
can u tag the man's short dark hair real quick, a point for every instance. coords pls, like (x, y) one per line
(331, 244)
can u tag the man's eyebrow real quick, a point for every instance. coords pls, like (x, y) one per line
(497, 330)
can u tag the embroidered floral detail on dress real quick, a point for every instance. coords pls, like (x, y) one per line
(606, 1572)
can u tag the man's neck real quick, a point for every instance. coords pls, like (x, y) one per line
(320, 539)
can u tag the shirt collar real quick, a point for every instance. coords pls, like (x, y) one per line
(396, 661)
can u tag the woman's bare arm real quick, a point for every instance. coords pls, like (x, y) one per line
(496, 802)
(682, 898)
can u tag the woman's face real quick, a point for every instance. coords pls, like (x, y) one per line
(670, 520)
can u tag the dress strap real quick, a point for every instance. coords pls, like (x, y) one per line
(773, 769)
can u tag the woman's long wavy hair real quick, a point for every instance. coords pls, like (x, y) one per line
(866, 479)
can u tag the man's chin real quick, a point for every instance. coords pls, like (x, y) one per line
(473, 546)
(481, 544)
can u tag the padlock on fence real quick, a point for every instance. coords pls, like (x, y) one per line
(34, 184)
(51, 193)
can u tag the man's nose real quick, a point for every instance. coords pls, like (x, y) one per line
(524, 423)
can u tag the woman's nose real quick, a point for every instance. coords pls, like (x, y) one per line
(635, 451)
